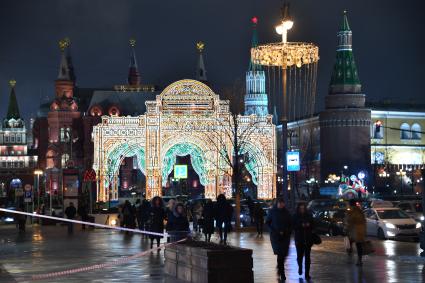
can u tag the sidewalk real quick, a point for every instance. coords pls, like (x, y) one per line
(50, 249)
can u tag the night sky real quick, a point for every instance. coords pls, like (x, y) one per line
(388, 39)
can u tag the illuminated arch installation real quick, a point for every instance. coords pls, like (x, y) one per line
(185, 119)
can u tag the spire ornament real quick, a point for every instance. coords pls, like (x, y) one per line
(200, 46)
(64, 43)
(132, 42)
(12, 83)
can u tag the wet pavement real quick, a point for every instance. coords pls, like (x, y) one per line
(50, 249)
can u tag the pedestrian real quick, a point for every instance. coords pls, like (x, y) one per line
(138, 211)
(21, 219)
(145, 208)
(83, 213)
(356, 228)
(280, 227)
(169, 214)
(157, 217)
(251, 208)
(208, 222)
(259, 219)
(223, 216)
(128, 215)
(196, 216)
(179, 225)
(303, 227)
(70, 213)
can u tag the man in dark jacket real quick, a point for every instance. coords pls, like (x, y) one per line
(70, 213)
(280, 226)
(303, 226)
(208, 225)
(156, 219)
(259, 219)
(83, 213)
(223, 216)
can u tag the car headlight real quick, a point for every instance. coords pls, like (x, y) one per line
(422, 218)
(418, 225)
(390, 225)
(241, 215)
(113, 222)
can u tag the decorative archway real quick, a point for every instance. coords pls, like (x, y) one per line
(183, 120)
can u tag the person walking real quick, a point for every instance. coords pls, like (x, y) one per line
(83, 213)
(179, 225)
(21, 219)
(208, 222)
(128, 215)
(303, 226)
(169, 214)
(138, 212)
(280, 227)
(356, 228)
(145, 209)
(196, 216)
(223, 216)
(157, 217)
(70, 213)
(259, 219)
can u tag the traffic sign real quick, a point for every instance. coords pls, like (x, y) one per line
(293, 161)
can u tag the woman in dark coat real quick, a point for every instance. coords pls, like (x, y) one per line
(208, 225)
(156, 217)
(223, 215)
(303, 226)
(280, 225)
(259, 219)
(178, 225)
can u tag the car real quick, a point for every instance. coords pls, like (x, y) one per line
(7, 218)
(324, 204)
(391, 223)
(330, 221)
(413, 209)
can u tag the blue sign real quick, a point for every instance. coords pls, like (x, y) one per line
(180, 171)
(293, 161)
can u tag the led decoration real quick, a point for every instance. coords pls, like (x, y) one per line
(185, 119)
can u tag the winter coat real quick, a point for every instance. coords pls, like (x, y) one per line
(356, 224)
(303, 228)
(259, 214)
(145, 210)
(223, 211)
(156, 219)
(208, 213)
(178, 223)
(280, 226)
(70, 212)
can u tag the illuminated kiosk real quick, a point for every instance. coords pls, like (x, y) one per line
(187, 118)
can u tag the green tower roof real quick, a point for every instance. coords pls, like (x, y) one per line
(345, 78)
(13, 109)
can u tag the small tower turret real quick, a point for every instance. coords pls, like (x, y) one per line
(201, 72)
(133, 72)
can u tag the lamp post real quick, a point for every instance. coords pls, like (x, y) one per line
(284, 55)
(38, 172)
(401, 173)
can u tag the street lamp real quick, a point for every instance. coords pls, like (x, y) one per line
(38, 172)
(286, 23)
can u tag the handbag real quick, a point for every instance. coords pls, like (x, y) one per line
(368, 248)
(347, 245)
(316, 239)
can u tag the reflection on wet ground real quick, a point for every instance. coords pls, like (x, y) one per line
(50, 249)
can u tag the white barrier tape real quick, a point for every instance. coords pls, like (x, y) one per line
(98, 266)
(86, 223)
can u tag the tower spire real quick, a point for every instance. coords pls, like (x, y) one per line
(64, 73)
(256, 101)
(13, 109)
(64, 84)
(201, 72)
(133, 72)
(345, 78)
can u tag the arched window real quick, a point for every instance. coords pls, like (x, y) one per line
(378, 130)
(405, 133)
(64, 159)
(416, 131)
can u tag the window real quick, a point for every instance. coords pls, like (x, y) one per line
(12, 139)
(405, 133)
(416, 131)
(6, 139)
(378, 130)
(18, 139)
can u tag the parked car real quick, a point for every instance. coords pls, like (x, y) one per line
(325, 204)
(391, 223)
(330, 222)
(413, 209)
(7, 218)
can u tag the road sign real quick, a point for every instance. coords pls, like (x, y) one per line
(27, 187)
(28, 196)
(293, 161)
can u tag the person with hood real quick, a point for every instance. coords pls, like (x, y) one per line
(70, 213)
(208, 225)
(356, 228)
(223, 216)
(144, 214)
(156, 216)
(280, 227)
(303, 227)
(178, 226)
